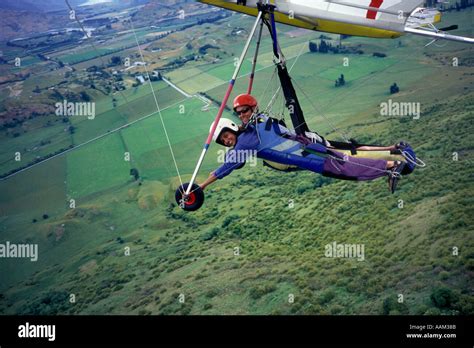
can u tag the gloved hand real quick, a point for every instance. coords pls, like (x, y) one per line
(314, 137)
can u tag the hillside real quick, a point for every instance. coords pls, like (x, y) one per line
(281, 249)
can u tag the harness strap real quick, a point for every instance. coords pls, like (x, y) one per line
(352, 145)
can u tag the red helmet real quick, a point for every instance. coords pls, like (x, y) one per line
(245, 100)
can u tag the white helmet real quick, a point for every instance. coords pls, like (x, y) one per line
(224, 125)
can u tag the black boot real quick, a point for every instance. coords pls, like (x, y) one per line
(395, 175)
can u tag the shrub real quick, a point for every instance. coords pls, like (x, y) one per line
(443, 297)
(393, 307)
(261, 290)
(303, 187)
(326, 296)
(444, 275)
(210, 234)
(211, 293)
(229, 219)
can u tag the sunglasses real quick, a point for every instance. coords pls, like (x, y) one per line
(243, 111)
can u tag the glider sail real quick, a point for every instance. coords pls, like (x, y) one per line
(369, 18)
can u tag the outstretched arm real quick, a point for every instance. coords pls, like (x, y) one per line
(208, 181)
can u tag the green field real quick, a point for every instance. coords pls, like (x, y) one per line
(194, 80)
(187, 132)
(97, 167)
(77, 57)
(35, 140)
(225, 71)
(47, 134)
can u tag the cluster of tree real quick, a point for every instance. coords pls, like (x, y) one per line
(203, 49)
(463, 4)
(115, 60)
(180, 61)
(212, 19)
(12, 123)
(378, 54)
(326, 47)
(458, 6)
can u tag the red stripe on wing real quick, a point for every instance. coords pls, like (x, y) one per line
(374, 3)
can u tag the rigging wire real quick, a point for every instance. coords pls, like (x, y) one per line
(156, 103)
(127, 103)
(291, 68)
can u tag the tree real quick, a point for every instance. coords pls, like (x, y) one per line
(116, 60)
(313, 47)
(443, 297)
(85, 96)
(134, 173)
(394, 88)
(323, 47)
(340, 81)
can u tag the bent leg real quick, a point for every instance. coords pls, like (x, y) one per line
(340, 166)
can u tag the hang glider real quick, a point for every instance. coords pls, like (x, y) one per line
(369, 18)
(378, 19)
(190, 196)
